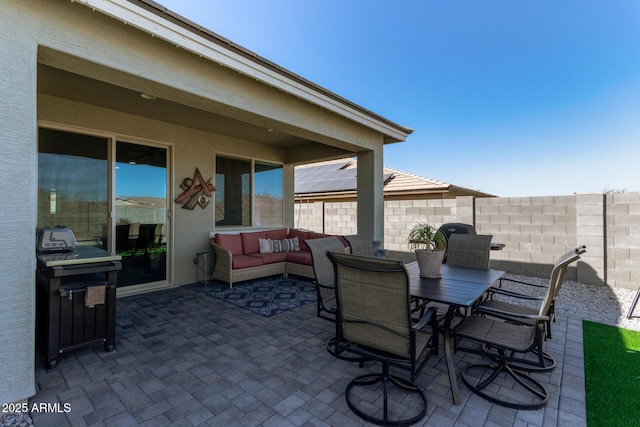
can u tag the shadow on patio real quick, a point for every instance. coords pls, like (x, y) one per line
(185, 358)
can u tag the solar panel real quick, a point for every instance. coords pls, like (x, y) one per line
(325, 180)
(308, 172)
(322, 180)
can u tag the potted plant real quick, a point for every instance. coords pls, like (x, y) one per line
(430, 245)
(155, 256)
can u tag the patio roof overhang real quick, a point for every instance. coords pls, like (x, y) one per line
(161, 23)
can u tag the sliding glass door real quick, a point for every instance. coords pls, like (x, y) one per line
(141, 213)
(74, 191)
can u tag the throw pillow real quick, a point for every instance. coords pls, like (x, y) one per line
(266, 246)
(286, 245)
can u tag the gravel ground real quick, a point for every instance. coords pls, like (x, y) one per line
(596, 303)
(600, 304)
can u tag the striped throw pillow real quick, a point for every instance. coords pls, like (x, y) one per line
(285, 245)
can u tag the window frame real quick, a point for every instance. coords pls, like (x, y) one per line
(252, 204)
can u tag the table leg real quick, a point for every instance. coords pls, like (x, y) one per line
(448, 354)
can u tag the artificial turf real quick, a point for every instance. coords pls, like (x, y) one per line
(612, 375)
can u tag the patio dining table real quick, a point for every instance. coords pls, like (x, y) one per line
(458, 288)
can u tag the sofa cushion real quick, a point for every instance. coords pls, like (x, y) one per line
(270, 258)
(245, 261)
(301, 235)
(250, 243)
(231, 242)
(299, 257)
(278, 234)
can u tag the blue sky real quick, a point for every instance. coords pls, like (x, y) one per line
(508, 97)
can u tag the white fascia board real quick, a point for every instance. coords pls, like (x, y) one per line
(156, 26)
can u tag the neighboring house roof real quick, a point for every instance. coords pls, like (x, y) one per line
(337, 179)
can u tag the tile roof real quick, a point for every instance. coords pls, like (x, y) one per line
(340, 176)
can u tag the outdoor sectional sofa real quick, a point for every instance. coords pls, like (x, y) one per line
(238, 257)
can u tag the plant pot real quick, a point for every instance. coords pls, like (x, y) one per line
(429, 263)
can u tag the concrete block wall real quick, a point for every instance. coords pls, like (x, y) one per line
(340, 218)
(327, 217)
(623, 239)
(401, 216)
(535, 230)
(309, 216)
(591, 232)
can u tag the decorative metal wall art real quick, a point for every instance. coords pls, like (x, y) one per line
(195, 191)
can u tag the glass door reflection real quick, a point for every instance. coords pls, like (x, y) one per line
(141, 213)
(73, 185)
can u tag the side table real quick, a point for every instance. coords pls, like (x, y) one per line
(205, 263)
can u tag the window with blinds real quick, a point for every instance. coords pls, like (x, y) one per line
(233, 192)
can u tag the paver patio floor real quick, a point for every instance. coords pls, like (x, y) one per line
(184, 358)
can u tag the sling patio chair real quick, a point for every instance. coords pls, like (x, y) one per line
(518, 298)
(513, 342)
(469, 251)
(374, 322)
(323, 272)
(324, 283)
(360, 245)
(464, 251)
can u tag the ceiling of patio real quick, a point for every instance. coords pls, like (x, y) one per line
(68, 85)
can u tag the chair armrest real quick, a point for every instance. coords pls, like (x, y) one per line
(535, 285)
(513, 294)
(222, 268)
(428, 317)
(223, 255)
(505, 313)
(499, 290)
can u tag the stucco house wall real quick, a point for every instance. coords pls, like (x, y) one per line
(18, 161)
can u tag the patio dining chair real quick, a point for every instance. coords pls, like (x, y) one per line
(465, 251)
(324, 283)
(469, 251)
(360, 245)
(374, 322)
(497, 295)
(323, 272)
(513, 342)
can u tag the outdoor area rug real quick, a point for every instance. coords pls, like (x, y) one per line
(268, 296)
